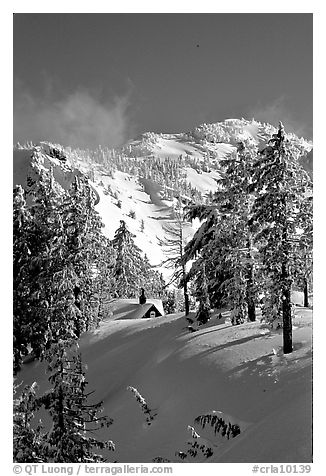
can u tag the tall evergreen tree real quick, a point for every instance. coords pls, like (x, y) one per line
(21, 282)
(280, 184)
(151, 280)
(133, 271)
(224, 243)
(129, 262)
(60, 256)
(45, 279)
(103, 283)
(303, 253)
(89, 253)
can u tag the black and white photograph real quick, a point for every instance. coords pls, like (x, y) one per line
(162, 240)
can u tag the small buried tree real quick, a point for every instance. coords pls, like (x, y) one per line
(71, 440)
(150, 415)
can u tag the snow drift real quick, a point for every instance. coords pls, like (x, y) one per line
(239, 371)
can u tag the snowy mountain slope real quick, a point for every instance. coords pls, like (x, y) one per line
(122, 189)
(217, 139)
(203, 181)
(239, 371)
(25, 158)
(131, 199)
(126, 187)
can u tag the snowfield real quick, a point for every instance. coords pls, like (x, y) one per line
(239, 371)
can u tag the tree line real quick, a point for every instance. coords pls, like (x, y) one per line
(65, 269)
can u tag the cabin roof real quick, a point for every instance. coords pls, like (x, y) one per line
(131, 309)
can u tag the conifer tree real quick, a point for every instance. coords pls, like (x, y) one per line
(223, 241)
(151, 280)
(103, 288)
(21, 255)
(280, 184)
(303, 252)
(47, 310)
(202, 315)
(89, 253)
(129, 262)
(74, 420)
(27, 437)
(60, 260)
(174, 245)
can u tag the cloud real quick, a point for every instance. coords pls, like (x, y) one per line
(277, 111)
(79, 119)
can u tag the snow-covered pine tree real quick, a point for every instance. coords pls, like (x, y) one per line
(88, 252)
(48, 310)
(129, 263)
(151, 280)
(168, 300)
(103, 283)
(150, 415)
(27, 437)
(303, 253)
(224, 242)
(21, 282)
(59, 253)
(195, 250)
(202, 315)
(74, 420)
(224, 271)
(174, 245)
(280, 184)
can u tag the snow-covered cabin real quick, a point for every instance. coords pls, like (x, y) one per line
(131, 309)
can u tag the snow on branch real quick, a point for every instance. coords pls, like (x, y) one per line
(194, 433)
(143, 404)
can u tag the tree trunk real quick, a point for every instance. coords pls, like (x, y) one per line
(251, 310)
(286, 285)
(185, 290)
(305, 293)
(286, 310)
(250, 295)
(60, 408)
(186, 297)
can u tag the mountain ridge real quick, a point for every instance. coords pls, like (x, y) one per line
(142, 181)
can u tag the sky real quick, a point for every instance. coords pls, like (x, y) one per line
(88, 79)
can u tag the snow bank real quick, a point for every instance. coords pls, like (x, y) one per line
(239, 371)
